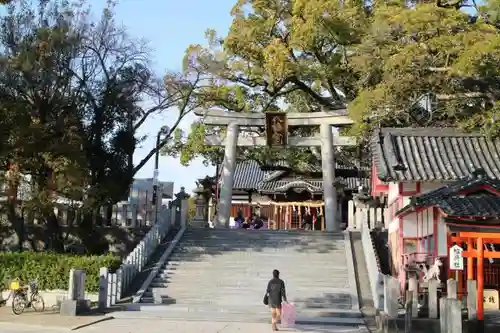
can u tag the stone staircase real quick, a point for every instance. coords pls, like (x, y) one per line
(218, 274)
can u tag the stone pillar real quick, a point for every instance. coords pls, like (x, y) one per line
(413, 287)
(328, 167)
(452, 289)
(472, 299)
(433, 299)
(184, 213)
(228, 166)
(450, 315)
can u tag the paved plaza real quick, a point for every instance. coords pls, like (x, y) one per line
(162, 326)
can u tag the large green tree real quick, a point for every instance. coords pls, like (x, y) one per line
(72, 96)
(396, 63)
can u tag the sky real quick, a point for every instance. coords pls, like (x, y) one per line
(171, 26)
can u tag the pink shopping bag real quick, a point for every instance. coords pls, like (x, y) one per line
(287, 315)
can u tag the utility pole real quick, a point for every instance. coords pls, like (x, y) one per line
(154, 199)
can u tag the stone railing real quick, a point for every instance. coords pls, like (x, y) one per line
(373, 266)
(113, 285)
(360, 213)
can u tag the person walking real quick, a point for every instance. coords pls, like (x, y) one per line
(275, 294)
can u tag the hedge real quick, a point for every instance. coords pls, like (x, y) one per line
(51, 270)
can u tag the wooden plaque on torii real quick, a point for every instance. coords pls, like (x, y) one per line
(276, 129)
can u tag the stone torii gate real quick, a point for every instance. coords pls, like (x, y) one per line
(276, 125)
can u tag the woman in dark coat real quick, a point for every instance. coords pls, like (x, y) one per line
(276, 294)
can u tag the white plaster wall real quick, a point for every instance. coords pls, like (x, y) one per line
(442, 241)
(420, 226)
(256, 199)
(409, 186)
(393, 192)
(393, 225)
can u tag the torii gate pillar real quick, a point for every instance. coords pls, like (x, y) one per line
(328, 166)
(228, 167)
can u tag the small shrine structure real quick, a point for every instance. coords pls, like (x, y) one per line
(442, 188)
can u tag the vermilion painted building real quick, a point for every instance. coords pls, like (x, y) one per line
(434, 180)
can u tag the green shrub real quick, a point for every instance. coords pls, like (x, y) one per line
(51, 270)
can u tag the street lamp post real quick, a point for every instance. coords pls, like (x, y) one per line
(164, 130)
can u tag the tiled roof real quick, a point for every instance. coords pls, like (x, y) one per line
(430, 154)
(350, 183)
(315, 186)
(476, 180)
(478, 206)
(465, 197)
(248, 175)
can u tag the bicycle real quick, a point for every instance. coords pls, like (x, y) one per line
(20, 299)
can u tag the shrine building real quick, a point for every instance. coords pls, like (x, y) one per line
(283, 194)
(440, 186)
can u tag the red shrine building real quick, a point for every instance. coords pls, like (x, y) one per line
(441, 187)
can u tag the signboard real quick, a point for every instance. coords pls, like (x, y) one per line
(456, 259)
(490, 299)
(276, 129)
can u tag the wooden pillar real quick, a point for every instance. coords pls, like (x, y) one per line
(480, 285)
(470, 260)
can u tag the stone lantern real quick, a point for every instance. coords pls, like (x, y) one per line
(199, 220)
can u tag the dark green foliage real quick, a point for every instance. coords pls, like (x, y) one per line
(51, 270)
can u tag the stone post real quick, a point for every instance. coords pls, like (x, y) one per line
(71, 285)
(413, 287)
(76, 286)
(184, 213)
(433, 299)
(228, 167)
(173, 215)
(409, 307)
(450, 318)
(451, 288)
(391, 296)
(328, 167)
(472, 299)
(75, 303)
(103, 288)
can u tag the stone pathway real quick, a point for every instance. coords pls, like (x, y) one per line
(162, 326)
(50, 321)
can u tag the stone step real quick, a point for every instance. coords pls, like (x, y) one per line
(174, 312)
(249, 303)
(301, 244)
(258, 307)
(260, 261)
(190, 282)
(261, 233)
(262, 253)
(256, 289)
(265, 273)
